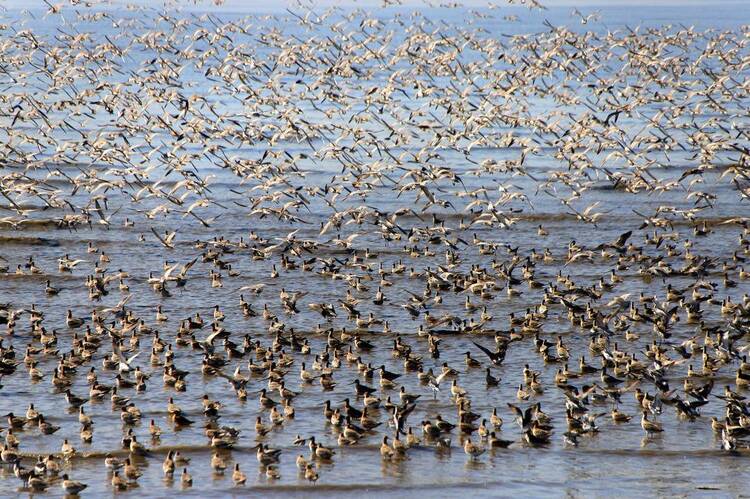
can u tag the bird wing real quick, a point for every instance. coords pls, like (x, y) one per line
(440, 378)
(169, 271)
(487, 351)
(517, 410)
(187, 266)
(215, 335)
(161, 239)
(620, 242)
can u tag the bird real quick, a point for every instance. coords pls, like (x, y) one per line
(238, 477)
(72, 487)
(472, 450)
(217, 464)
(185, 478)
(119, 483)
(310, 473)
(496, 357)
(650, 427)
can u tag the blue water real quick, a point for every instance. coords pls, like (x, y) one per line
(227, 137)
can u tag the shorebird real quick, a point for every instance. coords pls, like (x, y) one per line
(473, 450)
(71, 486)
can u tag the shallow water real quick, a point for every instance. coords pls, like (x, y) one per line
(685, 460)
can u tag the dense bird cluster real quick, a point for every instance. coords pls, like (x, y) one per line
(381, 167)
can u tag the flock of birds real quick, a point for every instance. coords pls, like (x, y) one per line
(383, 168)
